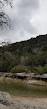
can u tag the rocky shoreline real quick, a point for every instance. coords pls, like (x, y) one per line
(7, 102)
(24, 75)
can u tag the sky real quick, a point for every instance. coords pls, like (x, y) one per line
(28, 19)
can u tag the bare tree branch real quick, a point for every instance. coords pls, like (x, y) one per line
(4, 18)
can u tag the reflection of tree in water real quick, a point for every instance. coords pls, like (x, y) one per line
(4, 18)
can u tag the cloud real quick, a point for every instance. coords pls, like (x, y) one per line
(29, 18)
(22, 23)
(25, 10)
(21, 15)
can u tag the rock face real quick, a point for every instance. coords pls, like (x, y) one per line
(6, 102)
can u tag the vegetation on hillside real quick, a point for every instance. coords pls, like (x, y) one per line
(25, 56)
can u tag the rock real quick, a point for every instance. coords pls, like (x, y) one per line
(5, 101)
(3, 107)
(5, 98)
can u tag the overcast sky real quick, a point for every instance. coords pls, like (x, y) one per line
(29, 19)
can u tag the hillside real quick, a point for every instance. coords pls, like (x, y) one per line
(25, 56)
(33, 46)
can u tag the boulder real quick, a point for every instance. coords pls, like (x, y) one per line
(5, 98)
(3, 107)
(6, 101)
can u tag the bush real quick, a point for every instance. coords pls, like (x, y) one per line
(45, 68)
(38, 70)
(19, 69)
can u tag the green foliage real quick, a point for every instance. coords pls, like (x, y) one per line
(19, 69)
(32, 53)
(4, 66)
(45, 68)
(39, 59)
(40, 69)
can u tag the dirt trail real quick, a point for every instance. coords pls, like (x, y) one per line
(31, 103)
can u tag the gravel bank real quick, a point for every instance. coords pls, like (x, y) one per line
(7, 102)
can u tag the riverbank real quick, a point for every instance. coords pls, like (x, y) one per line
(24, 88)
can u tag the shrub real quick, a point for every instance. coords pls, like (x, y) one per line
(19, 69)
(38, 70)
(45, 68)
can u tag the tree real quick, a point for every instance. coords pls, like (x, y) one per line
(4, 18)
